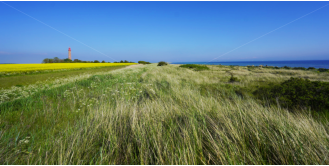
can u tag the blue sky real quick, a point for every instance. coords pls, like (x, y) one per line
(169, 31)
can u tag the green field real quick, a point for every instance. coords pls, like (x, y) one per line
(160, 115)
(23, 80)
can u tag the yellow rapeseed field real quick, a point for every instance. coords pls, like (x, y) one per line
(34, 68)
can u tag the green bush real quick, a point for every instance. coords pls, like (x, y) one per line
(323, 70)
(195, 67)
(297, 92)
(286, 67)
(311, 68)
(233, 79)
(299, 68)
(251, 67)
(232, 66)
(162, 63)
(143, 62)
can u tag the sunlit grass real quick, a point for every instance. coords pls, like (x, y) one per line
(30, 79)
(160, 115)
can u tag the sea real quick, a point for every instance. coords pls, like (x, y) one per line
(306, 63)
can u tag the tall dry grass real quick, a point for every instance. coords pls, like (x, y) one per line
(164, 115)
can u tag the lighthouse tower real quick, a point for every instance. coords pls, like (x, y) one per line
(70, 53)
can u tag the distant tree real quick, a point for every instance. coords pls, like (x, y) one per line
(56, 60)
(115, 62)
(46, 60)
(125, 61)
(77, 60)
(96, 61)
(51, 60)
(61, 60)
(103, 61)
(121, 61)
(67, 60)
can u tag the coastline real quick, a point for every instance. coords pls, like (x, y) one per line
(307, 63)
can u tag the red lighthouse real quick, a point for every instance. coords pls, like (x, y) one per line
(70, 53)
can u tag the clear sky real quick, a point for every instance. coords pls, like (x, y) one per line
(169, 31)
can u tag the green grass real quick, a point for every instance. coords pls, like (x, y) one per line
(195, 67)
(23, 80)
(161, 115)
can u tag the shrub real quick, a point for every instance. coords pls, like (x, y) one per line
(311, 68)
(233, 79)
(251, 67)
(297, 92)
(143, 62)
(299, 68)
(286, 67)
(276, 67)
(195, 67)
(323, 70)
(220, 65)
(162, 63)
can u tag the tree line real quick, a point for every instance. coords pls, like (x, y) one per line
(67, 60)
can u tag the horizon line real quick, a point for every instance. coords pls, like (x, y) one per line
(257, 61)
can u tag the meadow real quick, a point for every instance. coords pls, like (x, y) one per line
(152, 114)
(17, 69)
(24, 80)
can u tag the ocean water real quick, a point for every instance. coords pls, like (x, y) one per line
(306, 64)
